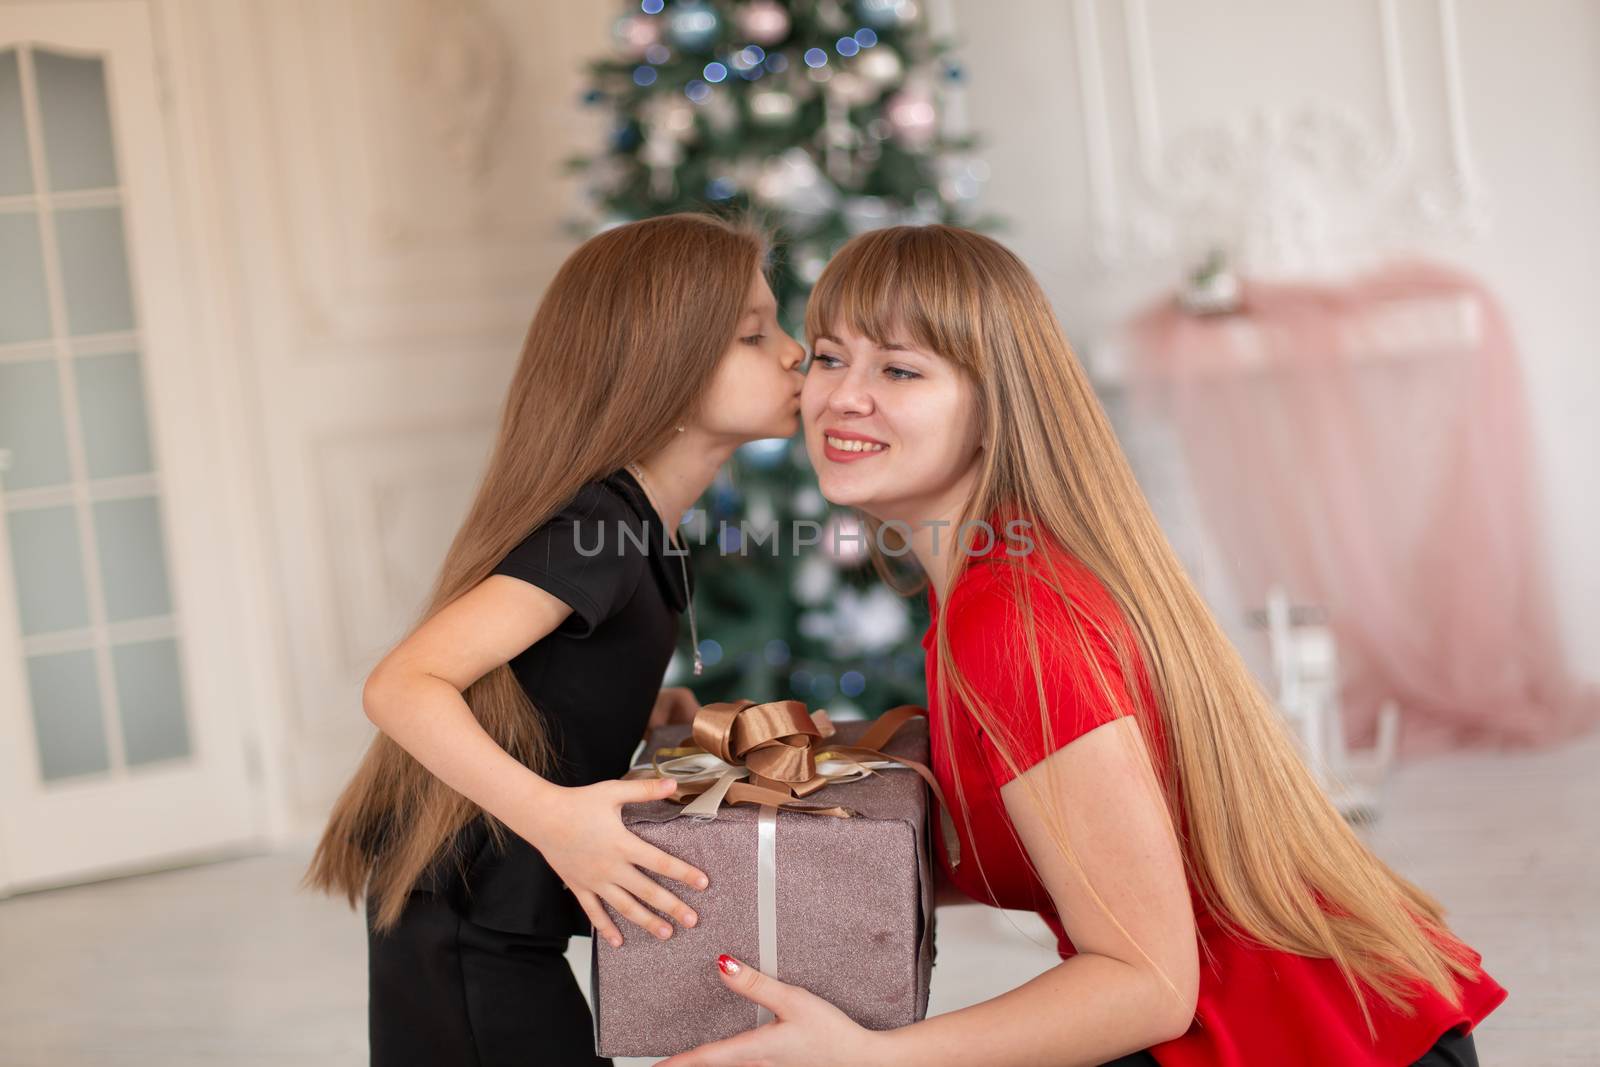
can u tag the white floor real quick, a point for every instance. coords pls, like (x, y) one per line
(228, 964)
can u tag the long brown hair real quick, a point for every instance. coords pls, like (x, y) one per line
(621, 348)
(1271, 857)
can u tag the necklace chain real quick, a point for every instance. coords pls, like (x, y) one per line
(694, 633)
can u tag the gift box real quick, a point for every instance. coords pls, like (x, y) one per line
(838, 900)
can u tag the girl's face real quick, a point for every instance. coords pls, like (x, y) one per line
(755, 391)
(892, 431)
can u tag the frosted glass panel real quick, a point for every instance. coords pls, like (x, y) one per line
(133, 564)
(47, 569)
(77, 128)
(31, 425)
(67, 718)
(15, 174)
(24, 305)
(94, 270)
(150, 701)
(111, 402)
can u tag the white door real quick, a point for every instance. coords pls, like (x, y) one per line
(119, 749)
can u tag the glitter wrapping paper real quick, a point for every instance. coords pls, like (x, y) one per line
(854, 910)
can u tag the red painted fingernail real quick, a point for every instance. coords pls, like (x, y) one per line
(728, 964)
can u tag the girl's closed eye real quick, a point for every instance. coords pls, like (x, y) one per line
(754, 339)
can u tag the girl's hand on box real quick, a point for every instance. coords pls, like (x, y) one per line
(807, 1030)
(579, 831)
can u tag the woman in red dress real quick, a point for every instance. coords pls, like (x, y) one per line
(1108, 758)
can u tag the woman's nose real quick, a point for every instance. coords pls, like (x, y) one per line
(849, 397)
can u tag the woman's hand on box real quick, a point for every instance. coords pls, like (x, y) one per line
(674, 706)
(806, 1030)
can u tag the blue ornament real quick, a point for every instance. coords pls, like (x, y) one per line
(692, 25)
(765, 453)
(884, 14)
(724, 497)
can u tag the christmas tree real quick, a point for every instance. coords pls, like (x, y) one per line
(822, 120)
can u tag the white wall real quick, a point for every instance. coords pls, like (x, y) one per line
(1054, 88)
(377, 196)
(374, 193)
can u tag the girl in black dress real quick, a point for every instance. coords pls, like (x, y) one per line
(483, 827)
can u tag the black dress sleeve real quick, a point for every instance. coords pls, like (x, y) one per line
(584, 556)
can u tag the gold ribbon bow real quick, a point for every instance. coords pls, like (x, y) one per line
(778, 747)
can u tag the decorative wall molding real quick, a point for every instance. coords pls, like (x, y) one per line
(1303, 187)
(456, 67)
(391, 501)
(417, 170)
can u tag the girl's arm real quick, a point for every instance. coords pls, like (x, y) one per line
(414, 696)
(1108, 1000)
(414, 693)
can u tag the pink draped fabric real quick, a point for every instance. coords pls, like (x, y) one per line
(1365, 444)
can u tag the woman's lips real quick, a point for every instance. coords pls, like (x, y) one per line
(850, 449)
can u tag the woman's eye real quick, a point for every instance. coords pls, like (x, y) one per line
(754, 339)
(900, 374)
(826, 361)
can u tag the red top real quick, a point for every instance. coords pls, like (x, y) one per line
(1256, 1005)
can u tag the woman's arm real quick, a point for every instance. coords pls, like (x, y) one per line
(1108, 1000)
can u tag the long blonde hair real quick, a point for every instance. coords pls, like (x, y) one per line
(1271, 858)
(621, 348)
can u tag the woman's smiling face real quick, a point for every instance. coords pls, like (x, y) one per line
(892, 429)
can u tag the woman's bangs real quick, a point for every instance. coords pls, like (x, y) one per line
(865, 289)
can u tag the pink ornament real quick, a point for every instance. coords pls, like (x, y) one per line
(634, 34)
(913, 117)
(844, 539)
(764, 22)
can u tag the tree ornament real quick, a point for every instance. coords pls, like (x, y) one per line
(763, 21)
(692, 25)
